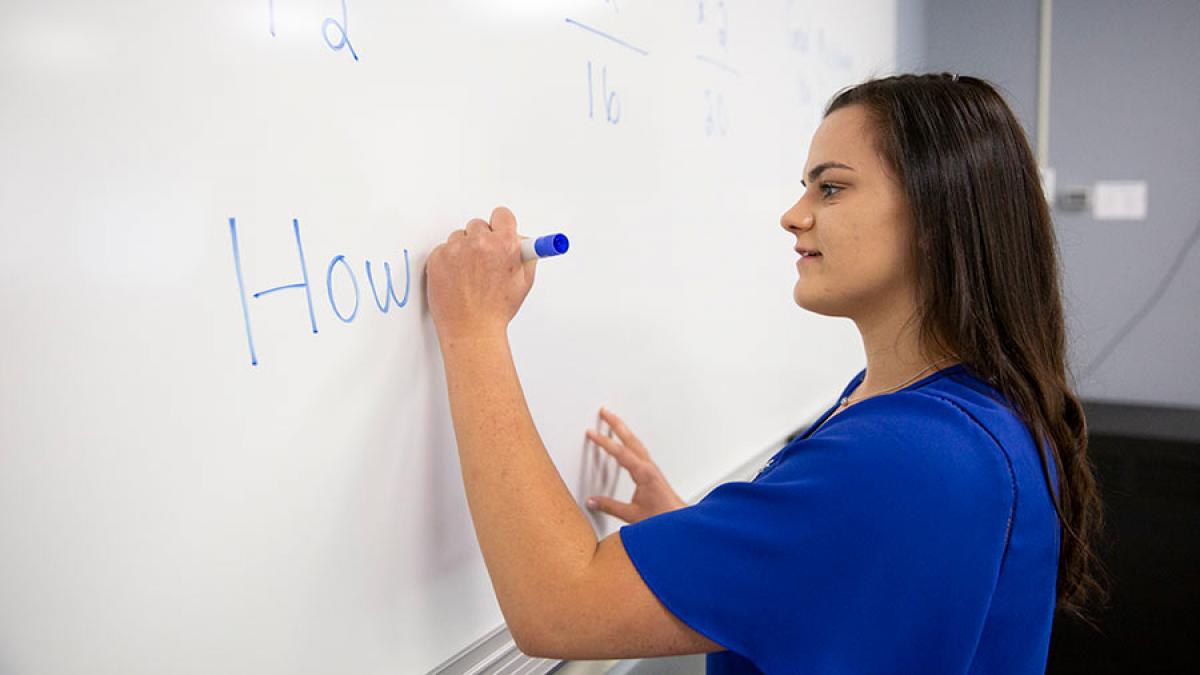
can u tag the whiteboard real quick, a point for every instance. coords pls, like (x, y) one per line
(192, 478)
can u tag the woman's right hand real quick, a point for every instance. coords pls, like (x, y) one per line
(653, 494)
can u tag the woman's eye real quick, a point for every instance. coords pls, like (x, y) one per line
(825, 186)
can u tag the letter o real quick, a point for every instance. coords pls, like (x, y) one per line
(329, 287)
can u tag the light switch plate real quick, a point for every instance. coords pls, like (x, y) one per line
(1119, 200)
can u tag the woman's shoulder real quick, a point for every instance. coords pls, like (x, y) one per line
(944, 412)
(941, 409)
(949, 437)
(899, 459)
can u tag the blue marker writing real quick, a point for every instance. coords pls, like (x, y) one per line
(544, 247)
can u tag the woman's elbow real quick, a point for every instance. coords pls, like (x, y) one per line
(531, 642)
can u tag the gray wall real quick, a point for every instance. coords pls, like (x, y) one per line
(994, 40)
(1125, 100)
(911, 45)
(1125, 103)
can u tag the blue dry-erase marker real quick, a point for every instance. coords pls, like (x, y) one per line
(544, 247)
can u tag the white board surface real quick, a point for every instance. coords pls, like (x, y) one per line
(168, 506)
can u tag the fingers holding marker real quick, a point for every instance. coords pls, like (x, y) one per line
(477, 226)
(503, 220)
(474, 275)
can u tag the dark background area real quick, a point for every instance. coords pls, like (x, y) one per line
(1151, 547)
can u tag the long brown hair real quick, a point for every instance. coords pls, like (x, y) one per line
(988, 287)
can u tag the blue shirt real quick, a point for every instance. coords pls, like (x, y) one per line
(913, 532)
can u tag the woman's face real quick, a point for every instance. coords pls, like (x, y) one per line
(854, 213)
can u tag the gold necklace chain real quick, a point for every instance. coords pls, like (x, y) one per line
(846, 399)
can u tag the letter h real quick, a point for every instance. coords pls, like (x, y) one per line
(237, 264)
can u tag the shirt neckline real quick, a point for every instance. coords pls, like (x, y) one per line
(854, 382)
(857, 380)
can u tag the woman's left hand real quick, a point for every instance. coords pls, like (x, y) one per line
(476, 281)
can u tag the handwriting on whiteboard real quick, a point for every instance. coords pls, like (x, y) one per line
(712, 19)
(597, 76)
(340, 29)
(336, 32)
(810, 43)
(345, 312)
(716, 18)
(608, 99)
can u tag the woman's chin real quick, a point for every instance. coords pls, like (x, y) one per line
(800, 297)
(804, 301)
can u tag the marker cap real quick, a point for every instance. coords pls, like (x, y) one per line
(551, 245)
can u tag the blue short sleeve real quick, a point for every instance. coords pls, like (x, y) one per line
(872, 546)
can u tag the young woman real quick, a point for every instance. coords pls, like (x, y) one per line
(918, 526)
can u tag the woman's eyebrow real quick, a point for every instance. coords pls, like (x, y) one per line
(818, 169)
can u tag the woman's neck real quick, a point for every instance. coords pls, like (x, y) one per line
(895, 356)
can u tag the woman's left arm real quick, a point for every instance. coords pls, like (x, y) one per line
(562, 594)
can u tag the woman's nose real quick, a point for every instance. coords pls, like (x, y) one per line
(796, 218)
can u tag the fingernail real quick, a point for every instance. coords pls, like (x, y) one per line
(591, 503)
